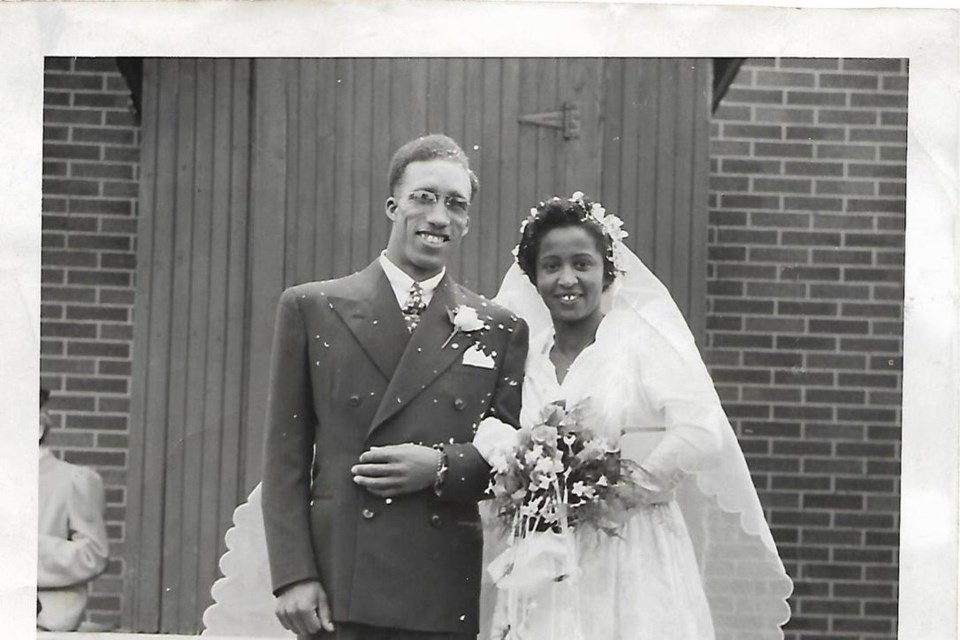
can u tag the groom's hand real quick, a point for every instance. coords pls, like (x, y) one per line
(303, 608)
(396, 469)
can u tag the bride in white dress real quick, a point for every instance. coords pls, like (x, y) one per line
(696, 561)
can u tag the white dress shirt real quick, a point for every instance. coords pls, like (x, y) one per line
(400, 282)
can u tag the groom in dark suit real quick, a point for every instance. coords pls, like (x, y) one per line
(378, 382)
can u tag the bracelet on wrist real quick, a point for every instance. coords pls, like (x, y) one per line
(441, 473)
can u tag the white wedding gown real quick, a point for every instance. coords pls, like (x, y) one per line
(643, 584)
(699, 561)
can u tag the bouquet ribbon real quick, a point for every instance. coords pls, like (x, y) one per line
(534, 561)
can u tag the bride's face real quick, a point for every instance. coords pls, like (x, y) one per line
(570, 274)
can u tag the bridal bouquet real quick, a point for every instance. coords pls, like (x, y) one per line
(548, 480)
(561, 473)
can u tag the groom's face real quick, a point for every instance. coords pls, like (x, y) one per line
(429, 212)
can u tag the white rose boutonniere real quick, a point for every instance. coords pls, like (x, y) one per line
(464, 320)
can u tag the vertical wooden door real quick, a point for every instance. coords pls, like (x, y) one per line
(191, 339)
(259, 174)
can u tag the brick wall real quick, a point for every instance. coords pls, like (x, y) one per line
(807, 201)
(90, 171)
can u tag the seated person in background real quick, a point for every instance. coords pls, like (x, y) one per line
(72, 543)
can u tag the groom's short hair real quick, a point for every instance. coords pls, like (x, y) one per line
(435, 146)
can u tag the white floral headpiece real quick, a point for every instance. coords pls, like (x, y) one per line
(610, 225)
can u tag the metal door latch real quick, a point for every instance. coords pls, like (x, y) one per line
(567, 120)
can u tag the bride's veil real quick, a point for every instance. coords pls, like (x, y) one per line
(742, 574)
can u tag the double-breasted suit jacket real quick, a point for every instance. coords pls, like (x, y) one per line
(346, 375)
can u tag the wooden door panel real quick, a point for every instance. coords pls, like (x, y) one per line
(190, 338)
(654, 169)
(581, 82)
(512, 205)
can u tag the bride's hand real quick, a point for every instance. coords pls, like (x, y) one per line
(303, 608)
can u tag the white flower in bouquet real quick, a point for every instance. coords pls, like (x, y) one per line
(532, 456)
(544, 433)
(582, 490)
(552, 415)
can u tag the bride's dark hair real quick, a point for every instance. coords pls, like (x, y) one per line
(557, 213)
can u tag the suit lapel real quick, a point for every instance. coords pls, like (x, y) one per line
(374, 318)
(423, 359)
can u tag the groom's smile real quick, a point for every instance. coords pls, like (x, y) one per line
(429, 214)
(435, 239)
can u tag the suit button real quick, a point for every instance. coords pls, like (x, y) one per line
(435, 520)
(459, 404)
(368, 513)
(354, 401)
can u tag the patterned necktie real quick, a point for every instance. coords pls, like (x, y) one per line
(414, 307)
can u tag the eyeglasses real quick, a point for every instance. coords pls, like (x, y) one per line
(426, 198)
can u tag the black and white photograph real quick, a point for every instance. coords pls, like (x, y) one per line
(502, 343)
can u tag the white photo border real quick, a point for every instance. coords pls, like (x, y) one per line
(928, 38)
